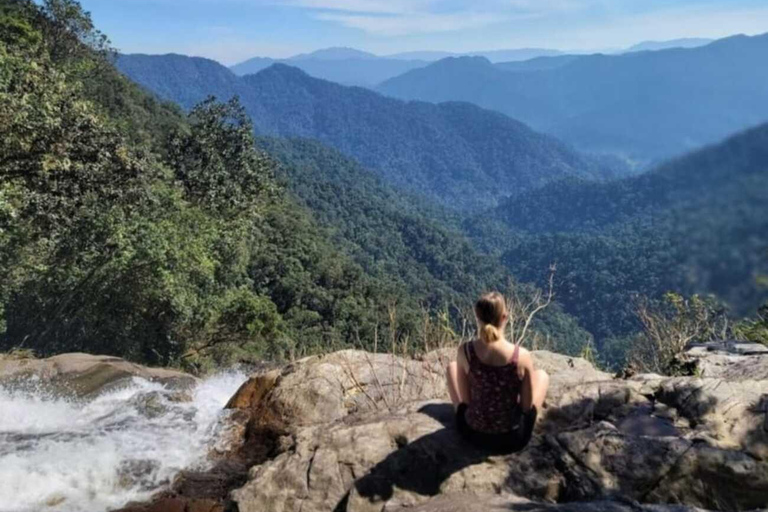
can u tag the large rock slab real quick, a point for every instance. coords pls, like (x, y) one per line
(732, 361)
(326, 389)
(362, 432)
(85, 374)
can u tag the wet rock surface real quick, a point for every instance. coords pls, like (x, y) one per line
(85, 375)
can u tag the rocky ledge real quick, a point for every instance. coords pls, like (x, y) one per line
(353, 431)
(84, 374)
(360, 432)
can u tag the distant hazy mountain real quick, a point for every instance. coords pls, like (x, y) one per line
(350, 66)
(538, 63)
(457, 153)
(690, 42)
(253, 65)
(343, 65)
(429, 56)
(641, 105)
(335, 53)
(517, 54)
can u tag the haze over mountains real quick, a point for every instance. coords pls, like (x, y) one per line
(349, 66)
(644, 106)
(459, 154)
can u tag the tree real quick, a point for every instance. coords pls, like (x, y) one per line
(670, 325)
(215, 159)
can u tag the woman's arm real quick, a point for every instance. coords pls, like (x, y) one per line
(463, 374)
(526, 369)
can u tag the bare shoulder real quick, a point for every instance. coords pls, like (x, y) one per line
(525, 358)
(525, 354)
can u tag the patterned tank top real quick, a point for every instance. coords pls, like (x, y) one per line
(495, 393)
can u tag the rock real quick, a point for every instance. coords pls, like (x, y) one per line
(326, 389)
(732, 361)
(85, 374)
(467, 502)
(360, 432)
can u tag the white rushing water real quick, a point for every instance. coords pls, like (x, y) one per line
(62, 455)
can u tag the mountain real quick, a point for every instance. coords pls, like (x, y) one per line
(335, 53)
(343, 65)
(461, 155)
(697, 224)
(398, 236)
(538, 63)
(689, 42)
(350, 66)
(253, 65)
(517, 54)
(643, 106)
(429, 56)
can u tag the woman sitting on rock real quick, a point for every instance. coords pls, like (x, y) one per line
(493, 385)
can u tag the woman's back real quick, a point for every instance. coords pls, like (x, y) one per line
(495, 388)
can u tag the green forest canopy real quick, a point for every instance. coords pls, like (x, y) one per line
(128, 228)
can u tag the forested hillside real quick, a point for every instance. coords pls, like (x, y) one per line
(696, 224)
(461, 155)
(129, 228)
(644, 106)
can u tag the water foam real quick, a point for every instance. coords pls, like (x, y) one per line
(65, 455)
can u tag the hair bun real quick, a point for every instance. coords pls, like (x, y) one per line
(490, 334)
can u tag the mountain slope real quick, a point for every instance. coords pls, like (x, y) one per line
(642, 105)
(399, 237)
(696, 224)
(456, 153)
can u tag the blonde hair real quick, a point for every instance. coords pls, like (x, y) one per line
(490, 310)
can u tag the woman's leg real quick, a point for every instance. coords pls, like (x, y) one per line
(458, 387)
(540, 388)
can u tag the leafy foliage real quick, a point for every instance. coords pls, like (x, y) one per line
(669, 326)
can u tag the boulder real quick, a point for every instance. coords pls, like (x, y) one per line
(732, 361)
(362, 432)
(85, 374)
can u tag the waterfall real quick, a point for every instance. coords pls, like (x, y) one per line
(68, 455)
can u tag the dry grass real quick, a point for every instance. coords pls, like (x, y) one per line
(18, 354)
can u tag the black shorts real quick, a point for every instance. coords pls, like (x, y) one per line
(521, 430)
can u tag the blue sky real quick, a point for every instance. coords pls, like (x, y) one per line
(233, 30)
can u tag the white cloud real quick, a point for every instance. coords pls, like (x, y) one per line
(417, 23)
(404, 17)
(365, 6)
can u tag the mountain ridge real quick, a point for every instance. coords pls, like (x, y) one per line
(643, 106)
(456, 153)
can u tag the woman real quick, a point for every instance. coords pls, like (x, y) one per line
(493, 385)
